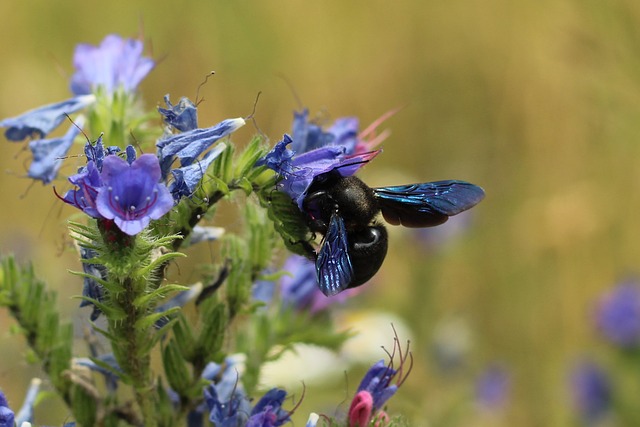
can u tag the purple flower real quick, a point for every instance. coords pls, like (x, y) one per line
(591, 389)
(343, 132)
(6, 414)
(226, 375)
(300, 289)
(618, 315)
(226, 412)
(268, 411)
(188, 146)
(306, 135)
(377, 387)
(41, 121)
(117, 62)
(48, 154)
(183, 116)
(88, 181)
(315, 151)
(132, 195)
(492, 387)
(186, 178)
(298, 171)
(377, 382)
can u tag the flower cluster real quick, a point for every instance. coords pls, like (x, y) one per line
(116, 65)
(139, 206)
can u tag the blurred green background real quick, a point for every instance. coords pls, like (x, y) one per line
(536, 101)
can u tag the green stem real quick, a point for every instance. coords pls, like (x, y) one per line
(135, 360)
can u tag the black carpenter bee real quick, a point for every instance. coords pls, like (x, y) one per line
(344, 210)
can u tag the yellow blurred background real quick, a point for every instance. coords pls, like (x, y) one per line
(536, 101)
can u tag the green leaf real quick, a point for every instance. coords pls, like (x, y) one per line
(113, 313)
(150, 319)
(176, 368)
(146, 299)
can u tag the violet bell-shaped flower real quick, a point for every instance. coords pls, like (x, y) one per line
(132, 195)
(116, 63)
(315, 151)
(298, 171)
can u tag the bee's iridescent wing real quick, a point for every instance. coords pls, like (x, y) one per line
(426, 204)
(333, 266)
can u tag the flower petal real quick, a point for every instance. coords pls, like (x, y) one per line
(41, 121)
(183, 116)
(191, 144)
(187, 178)
(48, 153)
(117, 62)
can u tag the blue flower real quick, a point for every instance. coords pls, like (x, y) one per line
(300, 290)
(315, 151)
(48, 154)
(41, 121)
(592, 392)
(618, 315)
(116, 63)
(343, 132)
(492, 387)
(183, 116)
(226, 412)
(186, 178)
(6, 414)
(268, 411)
(188, 146)
(88, 182)
(132, 195)
(378, 383)
(226, 375)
